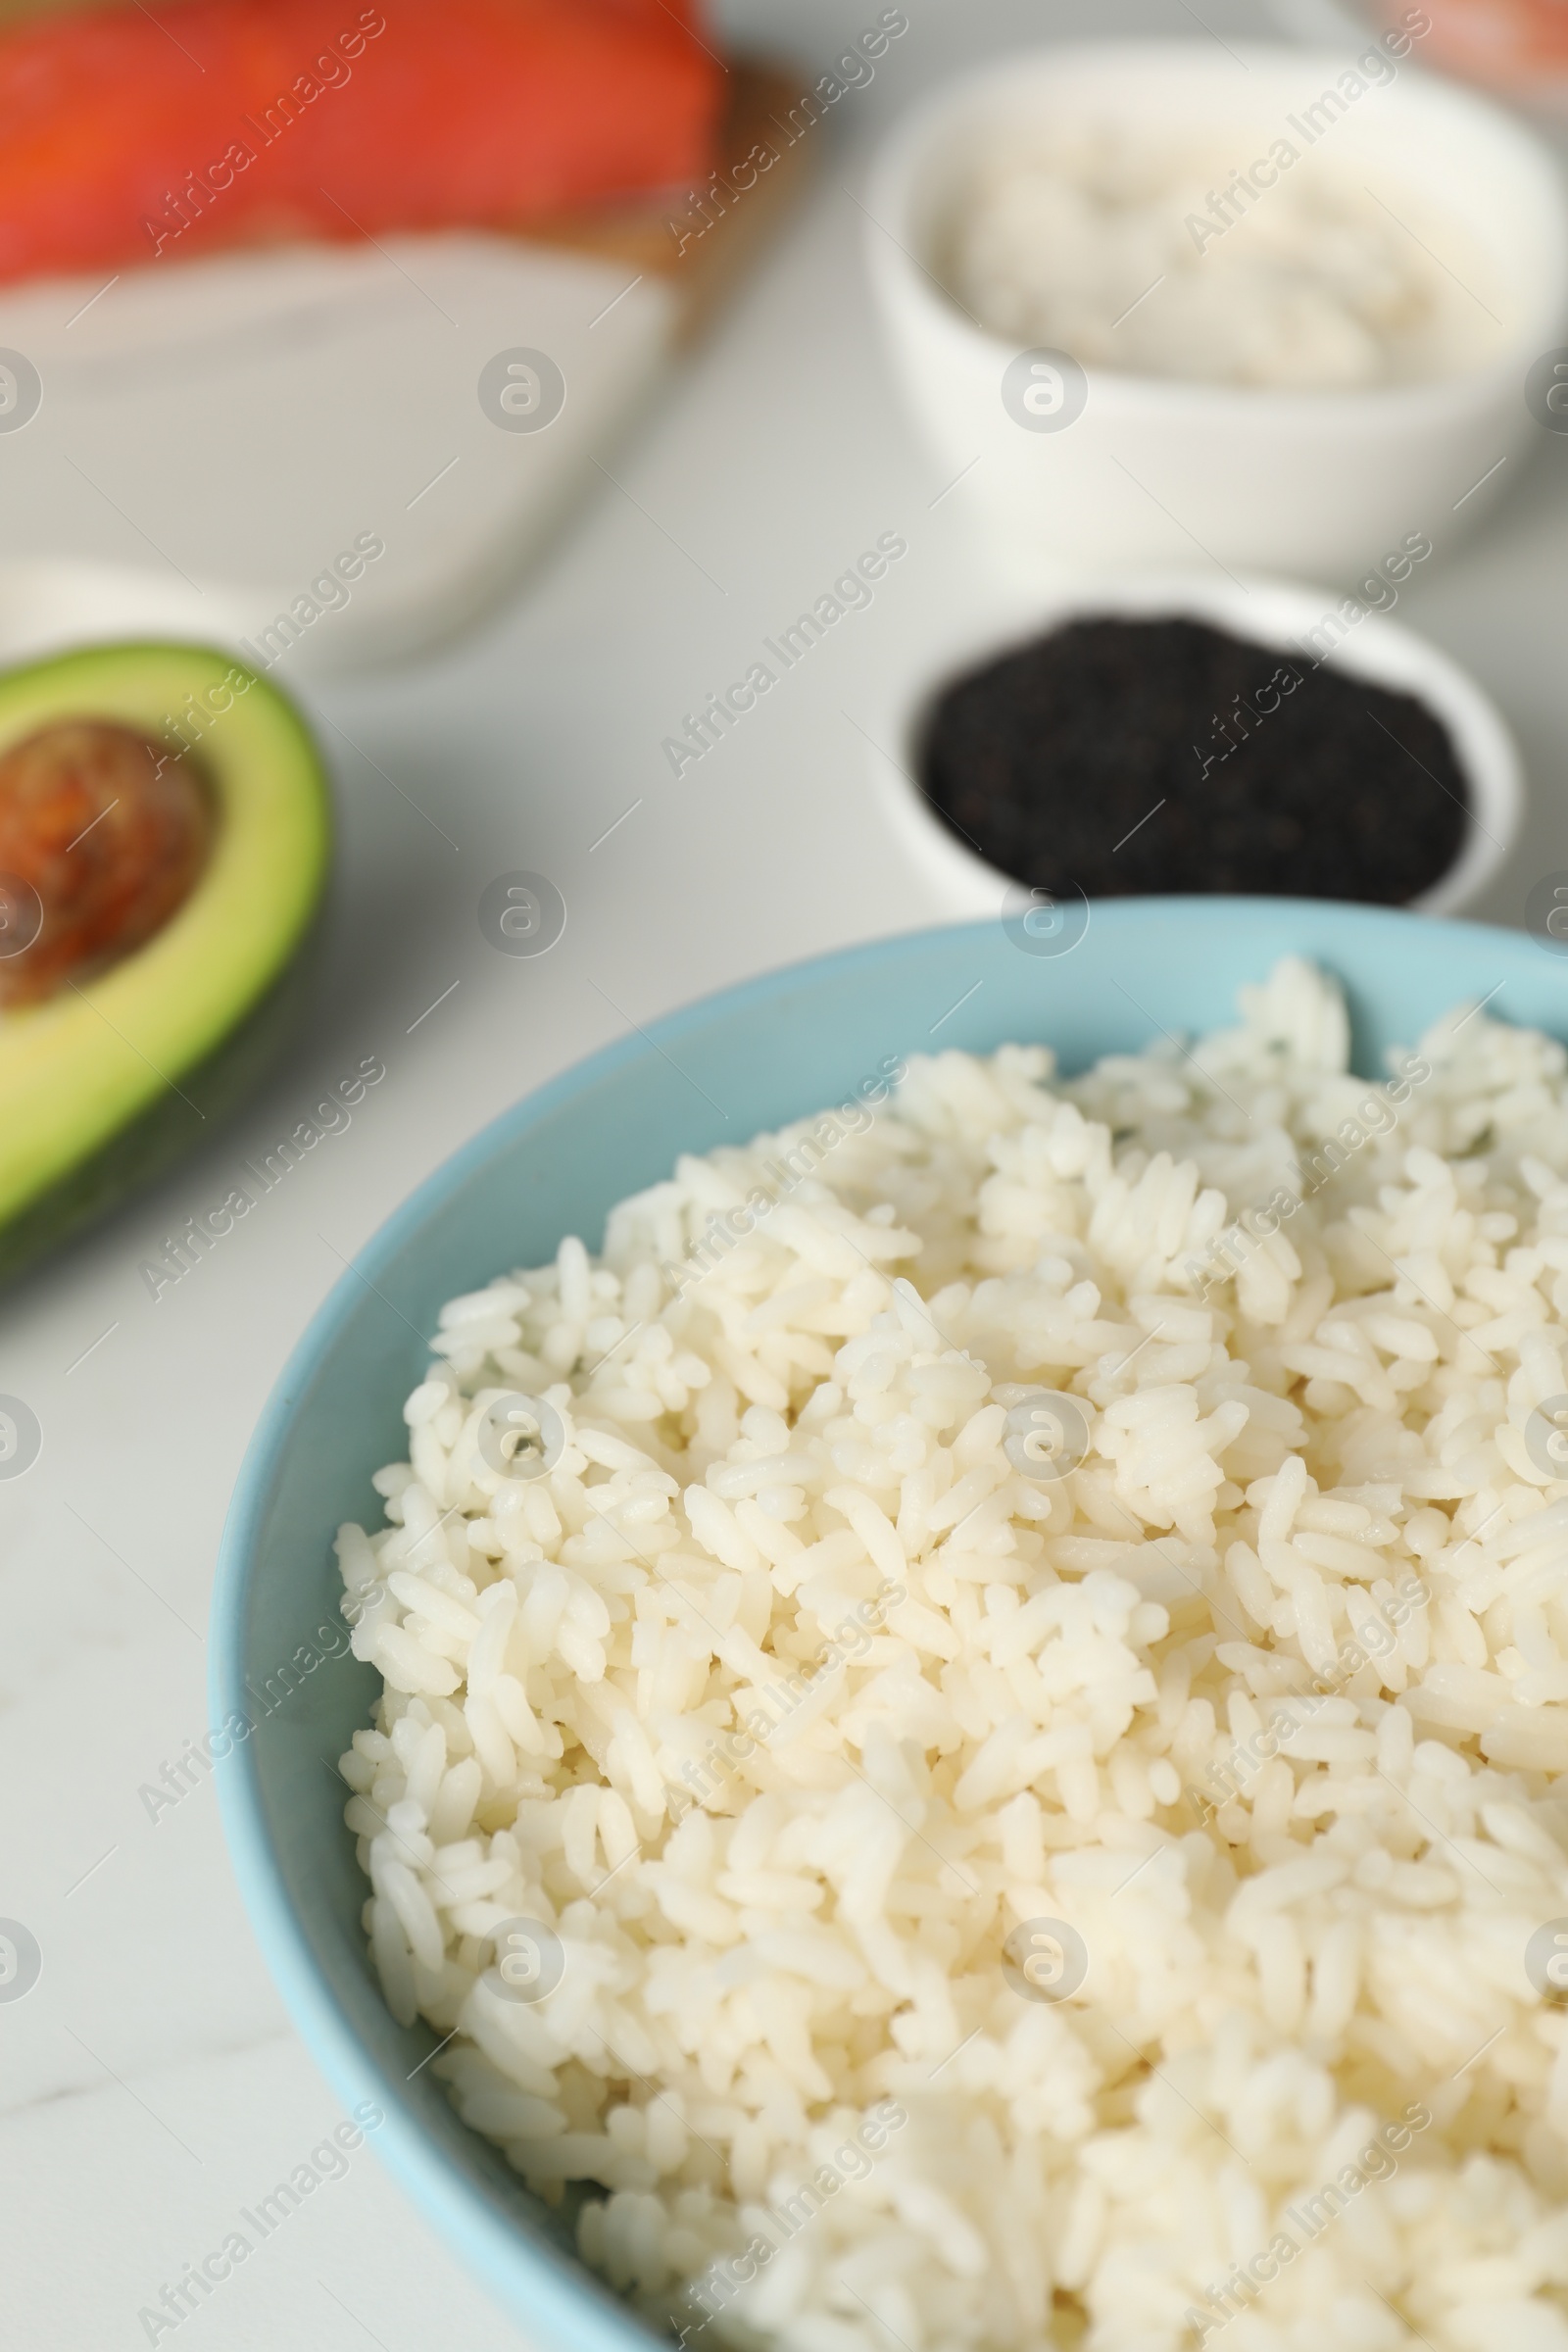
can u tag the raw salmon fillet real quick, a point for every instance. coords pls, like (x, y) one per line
(1512, 43)
(132, 137)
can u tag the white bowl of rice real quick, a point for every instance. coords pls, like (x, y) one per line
(963, 1719)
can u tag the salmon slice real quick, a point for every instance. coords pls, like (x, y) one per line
(134, 138)
(1508, 42)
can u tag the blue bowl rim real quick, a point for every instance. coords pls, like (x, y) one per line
(567, 2303)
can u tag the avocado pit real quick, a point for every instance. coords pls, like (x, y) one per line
(103, 837)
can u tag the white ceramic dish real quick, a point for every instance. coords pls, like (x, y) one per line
(1163, 473)
(206, 443)
(1273, 614)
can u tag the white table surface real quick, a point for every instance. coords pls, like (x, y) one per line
(150, 2084)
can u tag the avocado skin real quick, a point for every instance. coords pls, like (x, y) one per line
(168, 1129)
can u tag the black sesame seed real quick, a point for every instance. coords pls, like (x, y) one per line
(1126, 757)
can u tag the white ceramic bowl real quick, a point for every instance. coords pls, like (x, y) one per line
(1163, 473)
(1269, 612)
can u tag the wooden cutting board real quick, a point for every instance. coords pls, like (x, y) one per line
(701, 241)
(210, 439)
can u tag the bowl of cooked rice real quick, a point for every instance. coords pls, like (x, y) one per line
(894, 1671)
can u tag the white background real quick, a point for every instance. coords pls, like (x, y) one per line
(149, 2083)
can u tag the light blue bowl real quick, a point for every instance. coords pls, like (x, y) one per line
(752, 1058)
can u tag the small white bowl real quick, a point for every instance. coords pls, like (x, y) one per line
(1272, 613)
(1161, 471)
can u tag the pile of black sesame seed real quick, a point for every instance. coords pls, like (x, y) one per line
(1123, 758)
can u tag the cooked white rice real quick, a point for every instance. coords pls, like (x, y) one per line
(1306, 2091)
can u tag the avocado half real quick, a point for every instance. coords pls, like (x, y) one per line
(105, 1083)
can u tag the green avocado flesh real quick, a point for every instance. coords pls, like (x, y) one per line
(104, 1083)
